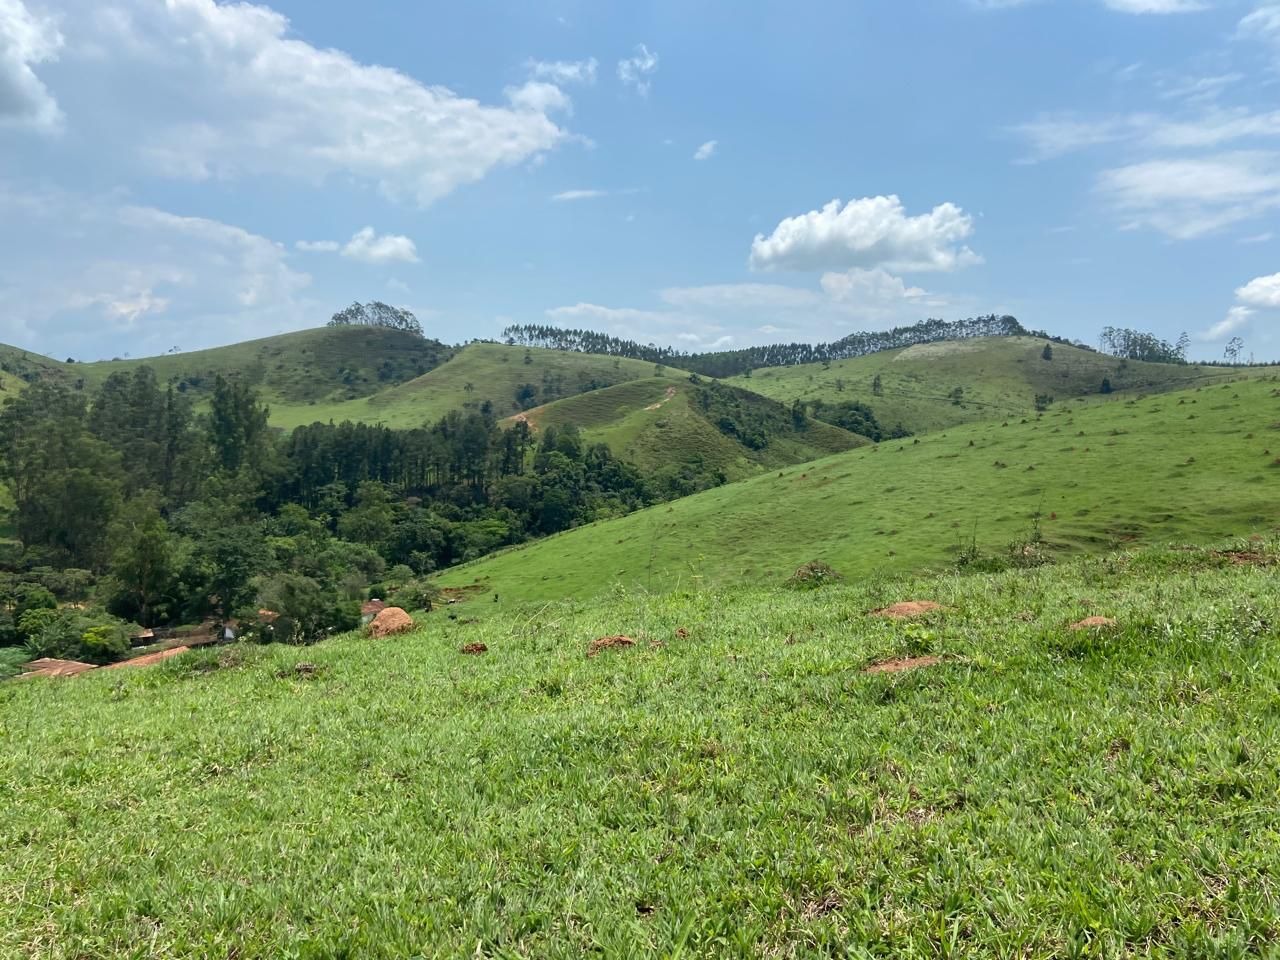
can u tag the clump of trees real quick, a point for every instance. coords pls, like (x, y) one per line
(377, 314)
(131, 507)
(1136, 345)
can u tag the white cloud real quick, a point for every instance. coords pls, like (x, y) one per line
(564, 72)
(1187, 198)
(706, 151)
(538, 97)
(869, 286)
(1261, 292)
(137, 278)
(225, 90)
(318, 246)
(636, 71)
(578, 195)
(1257, 238)
(26, 39)
(1156, 6)
(1263, 24)
(367, 247)
(1237, 319)
(1055, 135)
(736, 296)
(870, 232)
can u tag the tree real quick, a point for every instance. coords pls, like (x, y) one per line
(237, 425)
(1184, 344)
(1106, 385)
(1047, 352)
(143, 561)
(877, 386)
(1234, 348)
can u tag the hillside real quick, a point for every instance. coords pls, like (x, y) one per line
(662, 422)
(1191, 466)
(327, 364)
(478, 373)
(997, 377)
(736, 783)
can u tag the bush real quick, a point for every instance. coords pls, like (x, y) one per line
(813, 575)
(416, 595)
(104, 643)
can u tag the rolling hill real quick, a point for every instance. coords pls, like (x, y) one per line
(478, 373)
(292, 370)
(996, 376)
(1194, 466)
(659, 422)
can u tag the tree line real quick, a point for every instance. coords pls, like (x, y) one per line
(728, 363)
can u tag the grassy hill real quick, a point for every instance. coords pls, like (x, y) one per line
(1190, 466)
(997, 377)
(292, 370)
(476, 374)
(661, 421)
(736, 783)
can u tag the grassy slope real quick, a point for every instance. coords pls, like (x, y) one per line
(653, 423)
(1195, 466)
(16, 363)
(494, 371)
(743, 791)
(1000, 376)
(294, 369)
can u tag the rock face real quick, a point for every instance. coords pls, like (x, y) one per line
(389, 622)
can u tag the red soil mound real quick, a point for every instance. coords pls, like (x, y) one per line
(389, 622)
(902, 664)
(907, 609)
(473, 649)
(606, 643)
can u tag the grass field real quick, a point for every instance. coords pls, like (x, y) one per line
(493, 371)
(734, 784)
(999, 377)
(1192, 466)
(654, 423)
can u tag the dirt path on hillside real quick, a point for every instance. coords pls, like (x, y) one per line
(671, 392)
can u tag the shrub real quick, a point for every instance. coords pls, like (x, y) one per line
(104, 643)
(813, 575)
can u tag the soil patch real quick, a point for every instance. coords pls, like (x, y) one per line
(902, 664)
(907, 609)
(473, 649)
(390, 622)
(671, 392)
(147, 659)
(1247, 558)
(1093, 623)
(607, 643)
(48, 667)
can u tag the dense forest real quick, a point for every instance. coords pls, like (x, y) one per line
(731, 363)
(132, 509)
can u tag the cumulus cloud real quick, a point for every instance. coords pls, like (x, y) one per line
(869, 286)
(706, 151)
(26, 40)
(868, 233)
(564, 72)
(221, 90)
(1186, 198)
(367, 247)
(1261, 292)
(636, 72)
(1237, 319)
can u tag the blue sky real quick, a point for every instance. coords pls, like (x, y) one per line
(184, 173)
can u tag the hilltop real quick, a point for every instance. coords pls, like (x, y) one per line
(699, 428)
(932, 386)
(326, 364)
(755, 775)
(1188, 466)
